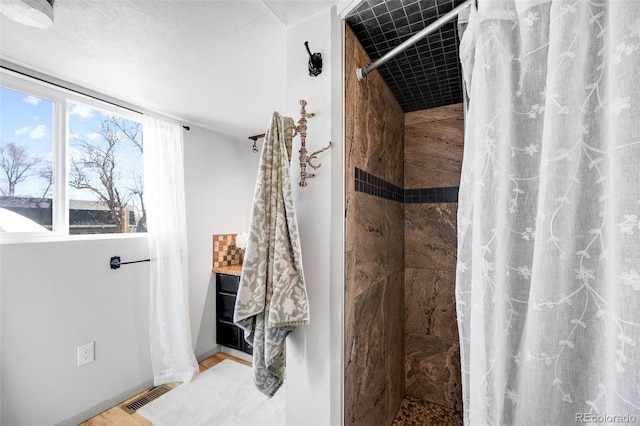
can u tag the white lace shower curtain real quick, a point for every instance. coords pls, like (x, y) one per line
(548, 280)
(172, 355)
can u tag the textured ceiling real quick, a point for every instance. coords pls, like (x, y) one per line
(220, 64)
(426, 75)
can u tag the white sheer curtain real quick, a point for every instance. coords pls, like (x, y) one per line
(170, 334)
(548, 282)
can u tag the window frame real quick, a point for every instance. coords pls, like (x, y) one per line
(61, 98)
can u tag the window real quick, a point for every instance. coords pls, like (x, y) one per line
(26, 153)
(106, 185)
(68, 164)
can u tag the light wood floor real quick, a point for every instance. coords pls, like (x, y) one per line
(116, 416)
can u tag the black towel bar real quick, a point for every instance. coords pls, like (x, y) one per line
(115, 262)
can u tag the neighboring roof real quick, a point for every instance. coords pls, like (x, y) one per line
(39, 211)
(87, 205)
(25, 202)
(33, 202)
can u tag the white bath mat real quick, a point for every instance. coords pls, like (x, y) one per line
(224, 395)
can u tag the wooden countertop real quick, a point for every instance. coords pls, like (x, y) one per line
(229, 270)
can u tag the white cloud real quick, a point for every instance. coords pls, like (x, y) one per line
(39, 132)
(75, 152)
(32, 100)
(81, 111)
(22, 130)
(93, 136)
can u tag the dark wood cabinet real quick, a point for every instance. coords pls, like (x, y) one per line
(227, 333)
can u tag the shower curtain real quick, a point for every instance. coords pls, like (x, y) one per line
(172, 356)
(548, 274)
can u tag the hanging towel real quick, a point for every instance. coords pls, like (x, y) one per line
(272, 298)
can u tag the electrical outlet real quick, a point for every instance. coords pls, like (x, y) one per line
(86, 353)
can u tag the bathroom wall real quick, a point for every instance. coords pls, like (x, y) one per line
(433, 158)
(61, 294)
(311, 384)
(220, 176)
(308, 348)
(374, 304)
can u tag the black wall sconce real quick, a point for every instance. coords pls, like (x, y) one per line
(315, 61)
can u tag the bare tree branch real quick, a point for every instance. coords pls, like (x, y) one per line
(46, 173)
(95, 167)
(131, 130)
(16, 165)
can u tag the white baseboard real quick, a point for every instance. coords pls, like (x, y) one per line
(238, 354)
(208, 354)
(105, 405)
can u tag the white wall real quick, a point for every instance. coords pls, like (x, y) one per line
(220, 176)
(56, 296)
(314, 368)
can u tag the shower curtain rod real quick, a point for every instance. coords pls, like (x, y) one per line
(361, 73)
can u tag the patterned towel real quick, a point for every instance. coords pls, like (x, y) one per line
(272, 298)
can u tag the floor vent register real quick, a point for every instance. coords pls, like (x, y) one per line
(153, 393)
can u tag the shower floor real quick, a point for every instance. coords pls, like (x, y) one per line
(416, 412)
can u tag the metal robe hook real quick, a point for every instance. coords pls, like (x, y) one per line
(305, 158)
(315, 61)
(255, 138)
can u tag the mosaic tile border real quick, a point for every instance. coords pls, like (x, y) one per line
(378, 187)
(373, 185)
(431, 195)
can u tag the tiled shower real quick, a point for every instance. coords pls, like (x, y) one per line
(433, 154)
(402, 174)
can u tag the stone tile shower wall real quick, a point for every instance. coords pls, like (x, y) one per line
(374, 293)
(433, 158)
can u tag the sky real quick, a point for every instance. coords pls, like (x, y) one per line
(27, 122)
